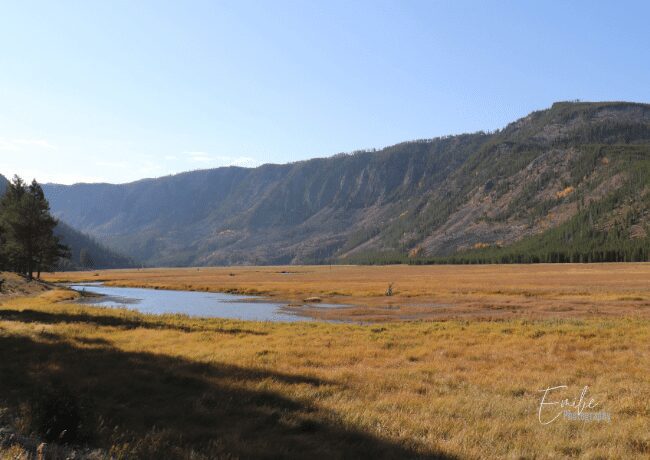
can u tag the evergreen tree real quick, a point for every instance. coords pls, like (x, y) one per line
(31, 245)
(12, 222)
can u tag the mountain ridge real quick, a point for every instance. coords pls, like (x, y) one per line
(428, 198)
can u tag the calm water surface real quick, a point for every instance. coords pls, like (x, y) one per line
(205, 304)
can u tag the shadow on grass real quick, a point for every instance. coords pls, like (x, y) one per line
(35, 316)
(166, 407)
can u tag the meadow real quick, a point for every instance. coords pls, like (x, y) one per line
(147, 386)
(541, 291)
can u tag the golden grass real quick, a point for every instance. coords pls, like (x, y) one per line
(173, 386)
(420, 292)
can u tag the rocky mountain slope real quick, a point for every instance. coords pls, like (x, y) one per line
(577, 168)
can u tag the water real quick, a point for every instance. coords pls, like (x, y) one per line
(203, 304)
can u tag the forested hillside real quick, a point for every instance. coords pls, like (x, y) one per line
(86, 253)
(570, 183)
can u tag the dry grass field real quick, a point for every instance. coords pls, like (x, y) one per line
(177, 387)
(150, 386)
(420, 292)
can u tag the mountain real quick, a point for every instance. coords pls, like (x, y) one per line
(568, 183)
(85, 252)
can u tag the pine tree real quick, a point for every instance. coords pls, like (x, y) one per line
(31, 245)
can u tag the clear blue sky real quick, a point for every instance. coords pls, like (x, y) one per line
(119, 90)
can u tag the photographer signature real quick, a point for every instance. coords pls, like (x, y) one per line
(573, 409)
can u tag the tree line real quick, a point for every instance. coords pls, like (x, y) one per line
(28, 244)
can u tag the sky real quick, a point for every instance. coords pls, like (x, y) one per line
(114, 91)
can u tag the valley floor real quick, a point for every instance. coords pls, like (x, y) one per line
(440, 292)
(173, 387)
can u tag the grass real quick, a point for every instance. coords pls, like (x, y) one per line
(420, 292)
(176, 387)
